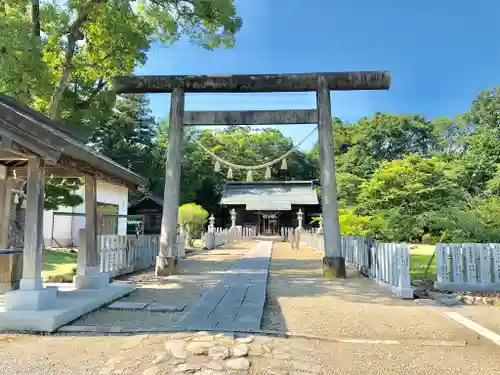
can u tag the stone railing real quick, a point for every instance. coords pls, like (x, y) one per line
(119, 255)
(468, 267)
(387, 263)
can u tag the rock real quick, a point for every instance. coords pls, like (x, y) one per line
(176, 362)
(227, 335)
(177, 348)
(161, 357)
(218, 352)
(245, 340)
(198, 348)
(186, 369)
(203, 338)
(154, 370)
(238, 364)
(240, 350)
(208, 372)
(215, 365)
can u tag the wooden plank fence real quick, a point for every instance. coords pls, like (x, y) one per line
(468, 267)
(388, 264)
(120, 255)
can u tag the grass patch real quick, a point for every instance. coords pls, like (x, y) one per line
(57, 263)
(419, 258)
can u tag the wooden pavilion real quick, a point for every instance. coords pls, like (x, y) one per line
(32, 147)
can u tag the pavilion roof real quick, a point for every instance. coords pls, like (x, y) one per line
(269, 195)
(25, 131)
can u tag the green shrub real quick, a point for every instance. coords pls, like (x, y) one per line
(192, 218)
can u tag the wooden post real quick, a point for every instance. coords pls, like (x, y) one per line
(333, 262)
(6, 187)
(89, 274)
(167, 258)
(91, 258)
(33, 232)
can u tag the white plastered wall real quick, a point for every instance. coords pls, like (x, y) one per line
(66, 227)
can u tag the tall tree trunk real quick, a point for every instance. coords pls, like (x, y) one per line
(74, 35)
(35, 17)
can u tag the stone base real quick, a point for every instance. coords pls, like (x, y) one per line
(66, 307)
(334, 267)
(30, 300)
(165, 266)
(99, 281)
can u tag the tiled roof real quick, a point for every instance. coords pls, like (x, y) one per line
(269, 195)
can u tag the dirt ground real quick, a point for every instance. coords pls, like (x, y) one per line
(301, 300)
(196, 274)
(136, 355)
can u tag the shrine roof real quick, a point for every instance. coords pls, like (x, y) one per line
(269, 195)
(25, 131)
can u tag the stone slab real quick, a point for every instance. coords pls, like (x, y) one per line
(124, 305)
(166, 308)
(236, 303)
(68, 306)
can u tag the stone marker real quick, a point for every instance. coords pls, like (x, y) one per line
(121, 305)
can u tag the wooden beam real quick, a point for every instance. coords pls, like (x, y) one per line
(253, 82)
(280, 117)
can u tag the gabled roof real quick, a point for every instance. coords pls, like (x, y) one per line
(269, 195)
(148, 196)
(44, 137)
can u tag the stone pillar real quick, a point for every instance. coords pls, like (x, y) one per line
(232, 230)
(298, 230)
(166, 261)
(333, 262)
(233, 218)
(88, 273)
(32, 295)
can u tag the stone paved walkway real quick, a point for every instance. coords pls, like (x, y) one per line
(196, 275)
(236, 303)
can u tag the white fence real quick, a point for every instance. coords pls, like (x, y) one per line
(219, 237)
(119, 255)
(387, 263)
(468, 267)
(390, 266)
(245, 233)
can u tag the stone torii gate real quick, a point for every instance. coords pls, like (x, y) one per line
(321, 83)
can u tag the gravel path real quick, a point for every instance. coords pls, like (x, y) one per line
(199, 272)
(300, 299)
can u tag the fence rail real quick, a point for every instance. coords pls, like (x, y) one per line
(468, 267)
(119, 255)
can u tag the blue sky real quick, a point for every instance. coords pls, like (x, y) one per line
(440, 53)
